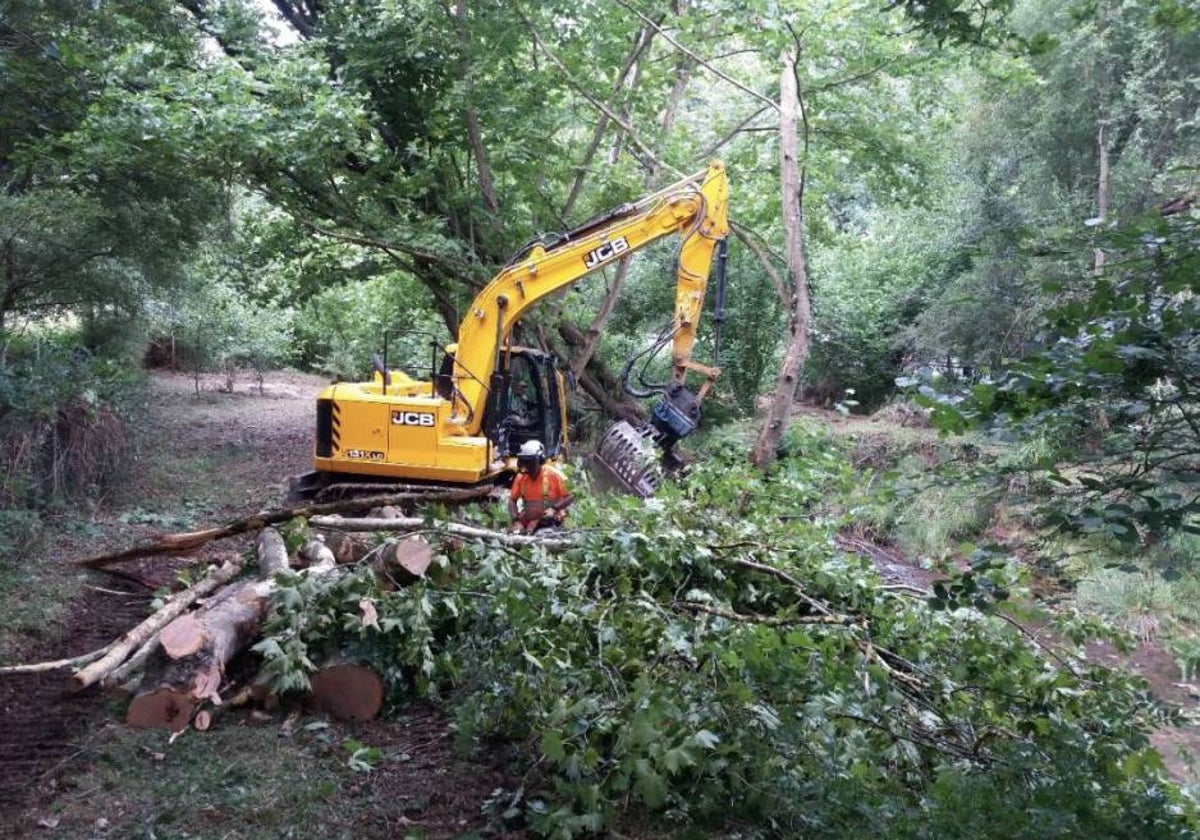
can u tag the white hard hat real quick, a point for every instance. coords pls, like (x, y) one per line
(532, 448)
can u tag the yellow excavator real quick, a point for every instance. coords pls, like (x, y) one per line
(485, 396)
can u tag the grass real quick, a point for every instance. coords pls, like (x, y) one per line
(239, 781)
(174, 490)
(35, 589)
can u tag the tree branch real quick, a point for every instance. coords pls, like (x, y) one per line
(768, 102)
(764, 259)
(769, 620)
(651, 159)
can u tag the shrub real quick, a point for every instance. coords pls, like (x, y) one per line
(61, 430)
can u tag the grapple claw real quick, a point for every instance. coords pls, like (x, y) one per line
(629, 458)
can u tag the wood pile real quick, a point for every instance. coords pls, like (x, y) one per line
(175, 664)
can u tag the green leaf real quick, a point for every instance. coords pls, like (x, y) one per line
(552, 746)
(649, 785)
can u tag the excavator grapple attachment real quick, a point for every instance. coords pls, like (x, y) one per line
(629, 458)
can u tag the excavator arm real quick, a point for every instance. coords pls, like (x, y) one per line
(695, 208)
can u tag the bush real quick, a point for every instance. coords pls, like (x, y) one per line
(62, 436)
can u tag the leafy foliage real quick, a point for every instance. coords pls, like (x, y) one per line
(1113, 387)
(61, 434)
(710, 658)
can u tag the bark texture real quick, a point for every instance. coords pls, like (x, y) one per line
(766, 447)
(348, 691)
(196, 647)
(145, 632)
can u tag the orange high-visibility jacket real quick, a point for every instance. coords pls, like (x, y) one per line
(538, 494)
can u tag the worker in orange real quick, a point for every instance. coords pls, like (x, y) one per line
(539, 495)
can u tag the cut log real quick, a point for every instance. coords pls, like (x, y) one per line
(348, 691)
(141, 634)
(196, 647)
(210, 640)
(403, 562)
(182, 637)
(161, 709)
(317, 556)
(348, 548)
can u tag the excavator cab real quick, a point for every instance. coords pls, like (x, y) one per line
(528, 403)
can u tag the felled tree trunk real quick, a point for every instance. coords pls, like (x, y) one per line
(410, 523)
(145, 631)
(197, 646)
(180, 543)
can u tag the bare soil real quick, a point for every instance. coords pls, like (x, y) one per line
(217, 456)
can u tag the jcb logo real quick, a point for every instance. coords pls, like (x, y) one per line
(606, 252)
(412, 418)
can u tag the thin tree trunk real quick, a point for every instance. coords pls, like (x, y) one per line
(1102, 193)
(683, 74)
(684, 65)
(411, 523)
(474, 133)
(766, 447)
(607, 305)
(599, 382)
(640, 45)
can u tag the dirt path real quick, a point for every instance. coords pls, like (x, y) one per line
(205, 458)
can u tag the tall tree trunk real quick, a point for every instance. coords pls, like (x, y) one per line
(683, 74)
(641, 43)
(792, 164)
(1101, 193)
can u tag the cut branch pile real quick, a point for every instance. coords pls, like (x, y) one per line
(196, 647)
